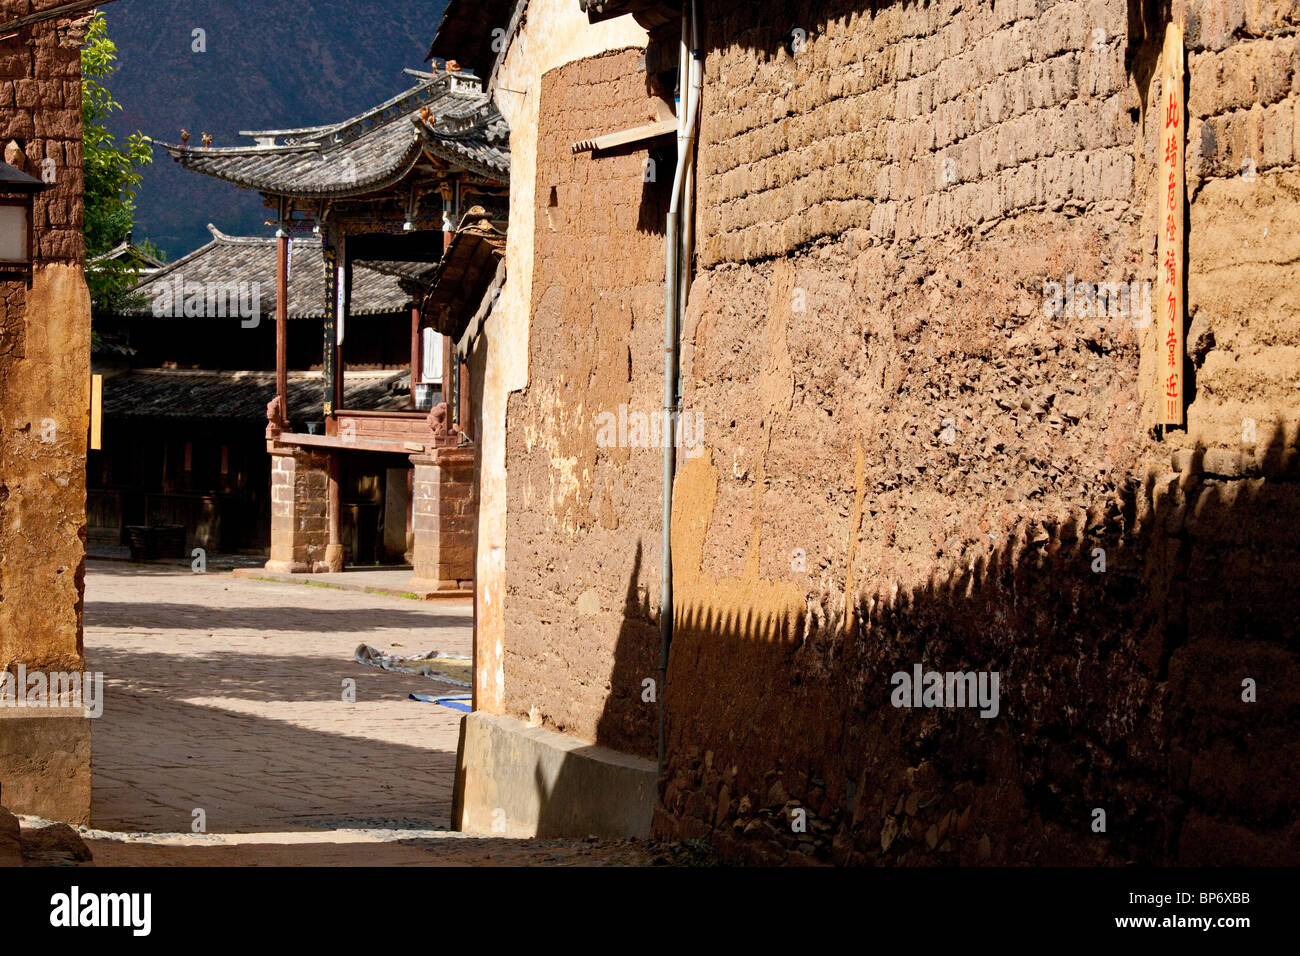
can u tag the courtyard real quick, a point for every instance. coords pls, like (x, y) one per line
(227, 735)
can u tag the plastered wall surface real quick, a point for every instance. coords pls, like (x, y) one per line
(44, 420)
(555, 32)
(44, 358)
(582, 523)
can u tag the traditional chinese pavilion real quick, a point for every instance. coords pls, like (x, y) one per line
(383, 192)
(185, 392)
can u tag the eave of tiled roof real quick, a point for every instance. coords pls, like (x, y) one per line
(649, 13)
(241, 397)
(253, 259)
(467, 269)
(359, 155)
(130, 251)
(477, 140)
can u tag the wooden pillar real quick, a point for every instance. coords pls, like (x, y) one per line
(462, 386)
(410, 515)
(415, 351)
(282, 323)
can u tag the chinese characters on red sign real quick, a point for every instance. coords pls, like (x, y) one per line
(1169, 363)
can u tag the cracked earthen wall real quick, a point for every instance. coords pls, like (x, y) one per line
(582, 562)
(909, 462)
(554, 33)
(44, 401)
(44, 359)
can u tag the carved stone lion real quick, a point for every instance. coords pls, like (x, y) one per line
(275, 422)
(440, 425)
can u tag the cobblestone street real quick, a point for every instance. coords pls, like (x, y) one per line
(226, 695)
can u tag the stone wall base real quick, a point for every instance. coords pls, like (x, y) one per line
(521, 781)
(45, 763)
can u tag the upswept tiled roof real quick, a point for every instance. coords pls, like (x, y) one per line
(356, 156)
(128, 252)
(242, 397)
(253, 259)
(475, 137)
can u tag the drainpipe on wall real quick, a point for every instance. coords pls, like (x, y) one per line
(690, 74)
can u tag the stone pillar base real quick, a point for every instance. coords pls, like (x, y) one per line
(427, 586)
(333, 558)
(287, 567)
(45, 762)
(299, 511)
(444, 520)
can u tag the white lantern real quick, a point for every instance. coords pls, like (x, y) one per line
(16, 191)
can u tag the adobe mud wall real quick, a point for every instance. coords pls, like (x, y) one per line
(553, 33)
(44, 401)
(582, 516)
(44, 358)
(910, 462)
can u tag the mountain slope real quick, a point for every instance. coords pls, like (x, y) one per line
(270, 64)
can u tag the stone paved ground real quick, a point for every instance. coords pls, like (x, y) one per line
(225, 695)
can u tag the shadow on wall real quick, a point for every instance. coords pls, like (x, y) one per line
(571, 803)
(1147, 662)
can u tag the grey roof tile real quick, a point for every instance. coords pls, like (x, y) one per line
(360, 154)
(241, 397)
(253, 259)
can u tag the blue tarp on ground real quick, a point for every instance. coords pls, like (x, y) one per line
(459, 702)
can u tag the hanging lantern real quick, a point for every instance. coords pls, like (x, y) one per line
(16, 192)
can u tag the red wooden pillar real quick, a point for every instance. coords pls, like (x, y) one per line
(282, 323)
(334, 551)
(415, 351)
(466, 425)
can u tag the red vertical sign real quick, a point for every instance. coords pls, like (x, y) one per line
(1171, 245)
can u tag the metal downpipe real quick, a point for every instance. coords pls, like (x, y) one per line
(676, 279)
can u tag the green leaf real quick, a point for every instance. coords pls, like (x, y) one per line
(112, 172)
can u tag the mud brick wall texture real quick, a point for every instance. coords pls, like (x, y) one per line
(44, 354)
(908, 462)
(40, 110)
(582, 520)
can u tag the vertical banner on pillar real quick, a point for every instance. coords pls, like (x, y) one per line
(328, 349)
(340, 304)
(1171, 245)
(96, 412)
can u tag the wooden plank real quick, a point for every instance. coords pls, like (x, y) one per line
(401, 428)
(298, 440)
(329, 371)
(626, 137)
